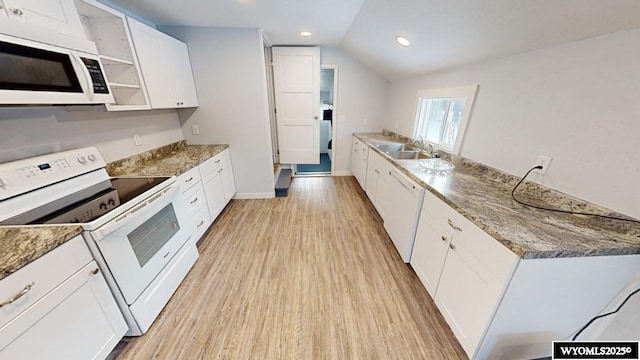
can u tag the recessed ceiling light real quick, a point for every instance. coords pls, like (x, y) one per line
(402, 41)
(305, 33)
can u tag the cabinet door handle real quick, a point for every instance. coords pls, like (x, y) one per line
(201, 223)
(219, 171)
(452, 247)
(194, 200)
(444, 238)
(95, 271)
(217, 161)
(17, 12)
(17, 296)
(189, 179)
(453, 225)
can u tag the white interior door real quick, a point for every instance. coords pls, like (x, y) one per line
(297, 88)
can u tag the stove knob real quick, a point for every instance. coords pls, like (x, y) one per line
(111, 202)
(92, 157)
(103, 206)
(82, 160)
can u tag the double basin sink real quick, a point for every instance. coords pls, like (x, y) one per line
(402, 151)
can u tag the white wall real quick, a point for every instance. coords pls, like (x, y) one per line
(228, 68)
(31, 131)
(578, 103)
(361, 94)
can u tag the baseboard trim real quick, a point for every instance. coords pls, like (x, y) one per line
(342, 173)
(246, 196)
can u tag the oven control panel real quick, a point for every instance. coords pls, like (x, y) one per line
(21, 176)
(90, 210)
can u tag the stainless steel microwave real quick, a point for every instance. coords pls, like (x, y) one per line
(33, 73)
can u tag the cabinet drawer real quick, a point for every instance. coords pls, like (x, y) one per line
(488, 251)
(200, 222)
(188, 179)
(45, 273)
(194, 199)
(214, 163)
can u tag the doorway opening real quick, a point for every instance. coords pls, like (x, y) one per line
(328, 80)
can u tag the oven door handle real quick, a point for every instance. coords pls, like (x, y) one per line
(136, 212)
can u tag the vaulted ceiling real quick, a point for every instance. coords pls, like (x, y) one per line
(443, 33)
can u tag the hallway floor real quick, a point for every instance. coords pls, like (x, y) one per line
(308, 276)
(323, 167)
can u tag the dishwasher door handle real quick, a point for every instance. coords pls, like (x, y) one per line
(402, 181)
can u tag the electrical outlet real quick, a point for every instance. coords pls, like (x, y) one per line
(365, 121)
(195, 130)
(543, 161)
(137, 140)
(342, 118)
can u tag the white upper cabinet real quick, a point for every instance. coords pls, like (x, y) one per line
(166, 68)
(184, 86)
(58, 15)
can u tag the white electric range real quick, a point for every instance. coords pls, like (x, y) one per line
(136, 227)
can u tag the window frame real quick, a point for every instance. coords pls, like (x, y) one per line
(468, 92)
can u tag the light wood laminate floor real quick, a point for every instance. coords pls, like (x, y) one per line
(308, 276)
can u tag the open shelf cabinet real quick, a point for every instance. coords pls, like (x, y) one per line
(108, 29)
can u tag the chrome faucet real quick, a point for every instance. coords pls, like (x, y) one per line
(429, 148)
(418, 140)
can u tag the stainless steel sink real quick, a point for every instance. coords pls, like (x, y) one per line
(408, 155)
(389, 147)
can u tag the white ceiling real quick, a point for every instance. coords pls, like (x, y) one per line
(443, 33)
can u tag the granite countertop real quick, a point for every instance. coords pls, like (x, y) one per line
(483, 195)
(171, 160)
(21, 245)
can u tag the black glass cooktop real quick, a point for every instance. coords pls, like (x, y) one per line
(90, 203)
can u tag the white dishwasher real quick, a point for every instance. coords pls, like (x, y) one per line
(403, 212)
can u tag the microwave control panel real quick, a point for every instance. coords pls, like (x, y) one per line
(99, 83)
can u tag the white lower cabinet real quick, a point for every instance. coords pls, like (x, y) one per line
(359, 153)
(463, 269)
(378, 181)
(429, 252)
(214, 193)
(467, 296)
(193, 196)
(77, 319)
(218, 181)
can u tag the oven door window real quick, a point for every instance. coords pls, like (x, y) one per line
(137, 251)
(148, 238)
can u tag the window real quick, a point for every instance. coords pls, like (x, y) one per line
(442, 114)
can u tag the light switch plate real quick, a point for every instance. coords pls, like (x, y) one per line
(195, 130)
